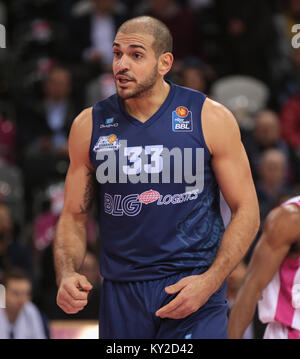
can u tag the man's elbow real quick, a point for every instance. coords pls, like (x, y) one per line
(256, 218)
(253, 218)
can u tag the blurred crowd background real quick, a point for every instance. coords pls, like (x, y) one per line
(58, 61)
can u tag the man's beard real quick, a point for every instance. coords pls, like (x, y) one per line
(142, 88)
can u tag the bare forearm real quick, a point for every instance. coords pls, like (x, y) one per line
(243, 310)
(235, 242)
(69, 246)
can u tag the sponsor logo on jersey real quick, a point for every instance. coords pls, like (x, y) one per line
(182, 120)
(109, 122)
(131, 205)
(149, 196)
(106, 143)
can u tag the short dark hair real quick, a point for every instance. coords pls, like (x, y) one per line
(163, 40)
(14, 273)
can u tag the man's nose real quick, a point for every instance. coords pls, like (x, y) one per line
(124, 63)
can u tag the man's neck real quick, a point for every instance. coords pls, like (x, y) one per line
(11, 316)
(145, 106)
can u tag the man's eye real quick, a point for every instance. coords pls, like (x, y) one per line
(137, 55)
(116, 53)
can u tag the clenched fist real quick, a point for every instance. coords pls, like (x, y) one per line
(73, 293)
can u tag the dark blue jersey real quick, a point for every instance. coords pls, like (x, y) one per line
(159, 199)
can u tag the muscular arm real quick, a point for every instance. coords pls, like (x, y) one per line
(70, 241)
(281, 229)
(232, 170)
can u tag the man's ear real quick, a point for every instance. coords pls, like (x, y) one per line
(165, 62)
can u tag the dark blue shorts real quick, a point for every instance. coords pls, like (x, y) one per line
(127, 311)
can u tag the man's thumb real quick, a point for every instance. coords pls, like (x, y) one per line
(174, 288)
(84, 283)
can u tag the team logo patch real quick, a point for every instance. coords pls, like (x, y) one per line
(149, 196)
(182, 120)
(105, 143)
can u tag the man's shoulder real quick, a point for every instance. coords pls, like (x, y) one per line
(216, 111)
(286, 212)
(81, 131)
(84, 118)
(217, 121)
(283, 223)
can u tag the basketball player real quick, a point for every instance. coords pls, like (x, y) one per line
(164, 254)
(273, 278)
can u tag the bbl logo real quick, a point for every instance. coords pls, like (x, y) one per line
(182, 120)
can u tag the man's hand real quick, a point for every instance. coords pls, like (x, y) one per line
(73, 293)
(194, 291)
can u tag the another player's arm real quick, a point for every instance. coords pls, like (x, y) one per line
(232, 170)
(280, 231)
(70, 241)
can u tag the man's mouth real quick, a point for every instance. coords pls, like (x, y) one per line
(123, 80)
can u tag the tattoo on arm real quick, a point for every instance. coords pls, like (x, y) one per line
(89, 192)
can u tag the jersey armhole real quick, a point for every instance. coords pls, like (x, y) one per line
(201, 129)
(92, 136)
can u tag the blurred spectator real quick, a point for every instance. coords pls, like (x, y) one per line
(208, 30)
(194, 77)
(248, 39)
(271, 181)
(12, 252)
(92, 35)
(289, 83)
(48, 206)
(44, 132)
(290, 121)
(12, 192)
(266, 135)
(177, 18)
(44, 230)
(21, 319)
(290, 125)
(52, 118)
(100, 88)
(8, 132)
